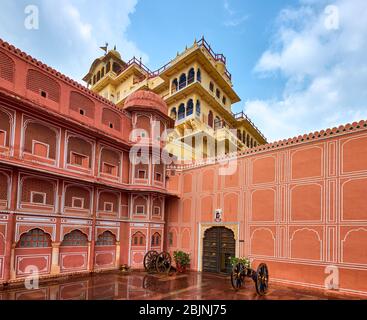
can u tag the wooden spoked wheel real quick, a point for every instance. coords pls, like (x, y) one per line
(238, 276)
(262, 279)
(150, 260)
(163, 262)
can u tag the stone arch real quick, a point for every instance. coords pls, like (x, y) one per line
(353, 248)
(305, 243)
(262, 242)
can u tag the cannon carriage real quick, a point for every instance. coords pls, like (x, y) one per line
(158, 262)
(260, 277)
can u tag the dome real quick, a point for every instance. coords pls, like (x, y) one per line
(143, 99)
(115, 53)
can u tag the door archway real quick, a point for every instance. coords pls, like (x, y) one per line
(218, 246)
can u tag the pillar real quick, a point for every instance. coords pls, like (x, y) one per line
(12, 274)
(55, 264)
(117, 262)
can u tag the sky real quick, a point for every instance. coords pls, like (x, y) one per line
(298, 66)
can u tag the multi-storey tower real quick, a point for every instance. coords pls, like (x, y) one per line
(198, 89)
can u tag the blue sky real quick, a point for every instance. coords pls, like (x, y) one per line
(298, 66)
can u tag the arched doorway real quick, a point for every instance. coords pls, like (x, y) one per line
(218, 246)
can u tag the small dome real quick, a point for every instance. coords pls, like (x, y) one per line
(115, 53)
(146, 100)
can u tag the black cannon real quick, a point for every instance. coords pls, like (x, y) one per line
(261, 277)
(157, 262)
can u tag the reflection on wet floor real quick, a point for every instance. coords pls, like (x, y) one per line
(141, 286)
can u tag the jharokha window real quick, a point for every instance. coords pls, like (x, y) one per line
(109, 169)
(38, 197)
(140, 210)
(79, 160)
(40, 149)
(156, 239)
(35, 238)
(2, 138)
(138, 239)
(106, 239)
(142, 174)
(75, 238)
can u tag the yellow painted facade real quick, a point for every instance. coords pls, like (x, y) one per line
(198, 90)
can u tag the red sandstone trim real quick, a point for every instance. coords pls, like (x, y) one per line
(29, 59)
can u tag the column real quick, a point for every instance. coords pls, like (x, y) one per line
(117, 263)
(55, 266)
(12, 273)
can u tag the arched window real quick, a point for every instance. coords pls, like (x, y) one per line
(35, 238)
(210, 119)
(107, 238)
(198, 75)
(75, 238)
(108, 67)
(191, 76)
(244, 136)
(102, 73)
(181, 111)
(173, 113)
(217, 92)
(217, 123)
(190, 107)
(98, 76)
(211, 86)
(198, 108)
(94, 79)
(252, 143)
(156, 239)
(174, 85)
(138, 239)
(182, 83)
(239, 135)
(255, 144)
(248, 141)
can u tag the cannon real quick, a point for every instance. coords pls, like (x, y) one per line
(260, 277)
(157, 262)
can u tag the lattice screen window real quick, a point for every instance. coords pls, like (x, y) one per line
(158, 176)
(140, 210)
(106, 239)
(36, 238)
(108, 206)
(38, 197)
(141, 174)
(77, 202)
(75, 238)
(79, 160)
(157, 211)
(109, 169)
(6, 67)
(2, 138)
(40, 149)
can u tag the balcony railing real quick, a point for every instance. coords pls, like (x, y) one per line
(241, 115)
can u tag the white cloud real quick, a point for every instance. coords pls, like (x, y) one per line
(325, 70)
(234, 18)
(71, 31)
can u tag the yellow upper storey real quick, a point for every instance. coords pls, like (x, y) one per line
(196, 86)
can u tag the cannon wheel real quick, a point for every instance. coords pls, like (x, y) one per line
(262, 279)
(163, 262)
(238, 276)
(149, 260)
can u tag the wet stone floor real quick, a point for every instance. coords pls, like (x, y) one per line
(141, 286)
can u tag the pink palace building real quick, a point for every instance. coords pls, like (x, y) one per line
(71, 201)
